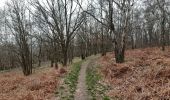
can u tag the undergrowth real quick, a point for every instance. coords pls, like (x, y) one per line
(96, 89)
(67, 90)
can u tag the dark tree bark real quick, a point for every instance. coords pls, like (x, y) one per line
(163, 42)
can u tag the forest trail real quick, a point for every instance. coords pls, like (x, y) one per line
(81, 90)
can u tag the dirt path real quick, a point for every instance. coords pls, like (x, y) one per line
(81, 91)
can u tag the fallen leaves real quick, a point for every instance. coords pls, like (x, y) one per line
(145, 75)
(39, 86)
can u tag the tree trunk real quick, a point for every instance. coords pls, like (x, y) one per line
(39, 55)
(163, 33)
(119, 54)
(39, 62)
(82, 56)
(26, 59)
(103, 46)
(65, 59)
(52, 62)
(56, 65)
(27, 68)
(133, 42)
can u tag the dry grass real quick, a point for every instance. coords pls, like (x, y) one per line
(144, 76)
(39, 86)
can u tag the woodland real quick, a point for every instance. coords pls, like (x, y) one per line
(118, 50)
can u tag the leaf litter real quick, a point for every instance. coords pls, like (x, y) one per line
(145, 75)
(41, 85)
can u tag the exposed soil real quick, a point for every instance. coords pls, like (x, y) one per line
(81, 91)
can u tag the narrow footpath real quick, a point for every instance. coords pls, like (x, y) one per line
(81, 91)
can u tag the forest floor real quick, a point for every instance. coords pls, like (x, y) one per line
(41, 85)
(145, 75)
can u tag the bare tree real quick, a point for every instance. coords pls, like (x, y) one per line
(63, 18)
(161, 5)
(118, 37)
(18, 24)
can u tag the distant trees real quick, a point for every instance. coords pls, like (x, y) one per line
(127, 23)
(156, 15)
(8, 56)
(58, 30)
(118, 33)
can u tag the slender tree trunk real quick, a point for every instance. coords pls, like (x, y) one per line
(56, 65)
(39, 62)
(52, 62)
(65, 58)
(39, 54)
(103, 49)
(163, 32)
(65, 55)
(103, 46)
(83, 50)
(133, 42)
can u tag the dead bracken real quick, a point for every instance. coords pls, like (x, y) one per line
(144, 76)
(39, 86)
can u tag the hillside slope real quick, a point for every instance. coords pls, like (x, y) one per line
(144, 76)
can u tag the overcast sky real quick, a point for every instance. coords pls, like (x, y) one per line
(2, 3)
